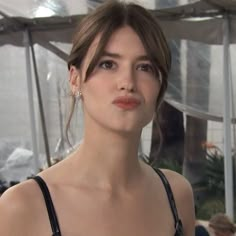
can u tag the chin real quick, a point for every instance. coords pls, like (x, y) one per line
(132, 128)
(129, 132)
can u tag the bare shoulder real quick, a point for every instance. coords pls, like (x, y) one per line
(18, 206)
(183, 195)
(179, 184)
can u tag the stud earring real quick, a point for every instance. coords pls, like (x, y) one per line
(78, 94)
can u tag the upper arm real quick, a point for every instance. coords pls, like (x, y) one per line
(185, 204)
(15, 211)
(184, 200)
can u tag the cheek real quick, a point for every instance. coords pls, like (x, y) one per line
(152, 92)
(92, 87)
(95, 95)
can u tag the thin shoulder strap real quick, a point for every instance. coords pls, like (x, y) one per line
(49, 204)
(178, 223)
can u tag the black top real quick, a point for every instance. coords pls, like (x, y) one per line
(178, 222)
(50, 207)
(53, 216)
(200, 230)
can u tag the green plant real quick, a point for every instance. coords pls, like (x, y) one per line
(215, 172)
(212, 181)
(170, 164)
(209, 208)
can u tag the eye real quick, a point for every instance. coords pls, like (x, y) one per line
(107, 65)
(146, 67)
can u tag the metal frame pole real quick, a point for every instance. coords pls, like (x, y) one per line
(228, 162)
(31, 103)
(41, 110)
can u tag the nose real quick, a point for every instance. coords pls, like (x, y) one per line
(127, 81)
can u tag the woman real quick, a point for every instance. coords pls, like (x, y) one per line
(118, 66)
(221, 225)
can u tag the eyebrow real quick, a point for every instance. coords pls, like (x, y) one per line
(116, 55)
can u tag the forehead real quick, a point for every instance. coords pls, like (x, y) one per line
(120, 40)
(125, 36)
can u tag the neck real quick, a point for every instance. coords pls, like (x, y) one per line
(108, 160)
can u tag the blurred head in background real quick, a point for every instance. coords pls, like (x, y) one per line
(221, 225)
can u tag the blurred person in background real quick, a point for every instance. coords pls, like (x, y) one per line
(221, 225)
(200, 230)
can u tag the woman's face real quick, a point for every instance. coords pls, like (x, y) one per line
(121, 92)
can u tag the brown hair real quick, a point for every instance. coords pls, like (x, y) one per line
(105, 20)
(222, 222)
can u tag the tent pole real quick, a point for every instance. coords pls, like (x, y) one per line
(31, 103)
(228, 163)
(41, 111)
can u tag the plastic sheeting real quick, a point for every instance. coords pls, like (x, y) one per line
(197, 87)
(45, 8)
(18, 166)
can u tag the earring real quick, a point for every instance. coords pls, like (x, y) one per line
(78, 95)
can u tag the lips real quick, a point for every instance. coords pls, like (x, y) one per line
(127, 103)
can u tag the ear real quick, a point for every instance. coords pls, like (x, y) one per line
(74, 79)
